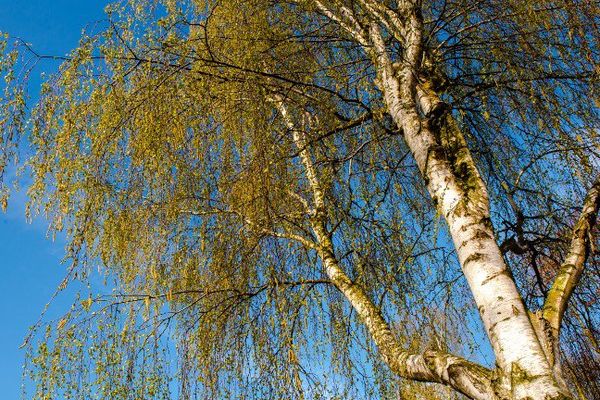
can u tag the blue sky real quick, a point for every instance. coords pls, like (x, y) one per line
(29, 261)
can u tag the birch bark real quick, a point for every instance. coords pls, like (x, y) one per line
(460, 195)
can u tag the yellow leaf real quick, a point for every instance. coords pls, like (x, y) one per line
(87, 303)
(61, 324)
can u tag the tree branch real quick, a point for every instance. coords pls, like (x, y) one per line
(346, 20)
(468, 378)
(574, 264)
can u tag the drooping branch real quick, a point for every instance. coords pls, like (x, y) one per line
(574, 264)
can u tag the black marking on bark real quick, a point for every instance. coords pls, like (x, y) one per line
(494, 276)
(487, 222)
(502, 320)
(481, 234)
(474, 257)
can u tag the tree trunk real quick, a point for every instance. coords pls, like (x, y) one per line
(524, 370)
(460, 195)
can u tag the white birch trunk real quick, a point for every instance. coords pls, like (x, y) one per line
(461, 197)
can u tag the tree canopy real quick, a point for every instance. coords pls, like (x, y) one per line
(307, 199)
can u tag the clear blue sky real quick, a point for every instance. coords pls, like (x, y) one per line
(30, 268)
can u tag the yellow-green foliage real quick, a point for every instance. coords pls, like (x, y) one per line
(158, 149)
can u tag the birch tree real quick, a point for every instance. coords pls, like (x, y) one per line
(321, 200)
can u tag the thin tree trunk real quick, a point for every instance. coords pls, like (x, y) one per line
(433, 366)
